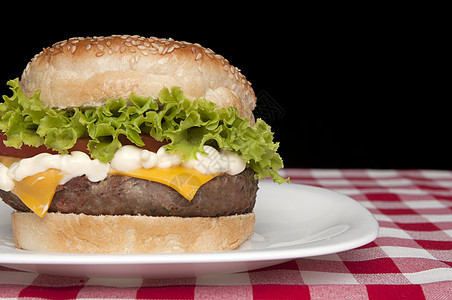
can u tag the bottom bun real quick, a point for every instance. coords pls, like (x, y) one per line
(79, 233)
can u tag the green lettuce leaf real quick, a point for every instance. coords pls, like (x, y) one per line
(188, 125)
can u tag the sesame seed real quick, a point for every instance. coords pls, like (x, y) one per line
(209, 53)
(220, 58)
(198, 56)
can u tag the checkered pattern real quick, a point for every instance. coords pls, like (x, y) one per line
(410, 259)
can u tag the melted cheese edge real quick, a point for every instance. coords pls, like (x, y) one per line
(184, 180)
(37, 191)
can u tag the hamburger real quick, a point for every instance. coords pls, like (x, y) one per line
(127, 144)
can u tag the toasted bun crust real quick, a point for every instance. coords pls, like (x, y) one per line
(88, 71)
(79, 233)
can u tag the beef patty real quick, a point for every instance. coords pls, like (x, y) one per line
(122, 195)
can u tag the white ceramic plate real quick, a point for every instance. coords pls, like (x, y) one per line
(292, 221)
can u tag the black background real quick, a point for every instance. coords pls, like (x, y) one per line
(340, 89)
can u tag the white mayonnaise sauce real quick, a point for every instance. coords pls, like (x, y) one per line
(6, 183)
(72, 165)
(215, 161)
(127, 158)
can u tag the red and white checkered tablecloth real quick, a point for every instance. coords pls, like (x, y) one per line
(410, 259)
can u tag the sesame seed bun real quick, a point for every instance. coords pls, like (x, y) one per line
(87, 71)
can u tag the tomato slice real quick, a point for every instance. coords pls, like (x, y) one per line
(25, 151)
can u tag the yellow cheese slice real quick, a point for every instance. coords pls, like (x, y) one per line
(184, 180)
(37, 191)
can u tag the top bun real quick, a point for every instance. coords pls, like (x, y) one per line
(83, 72)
